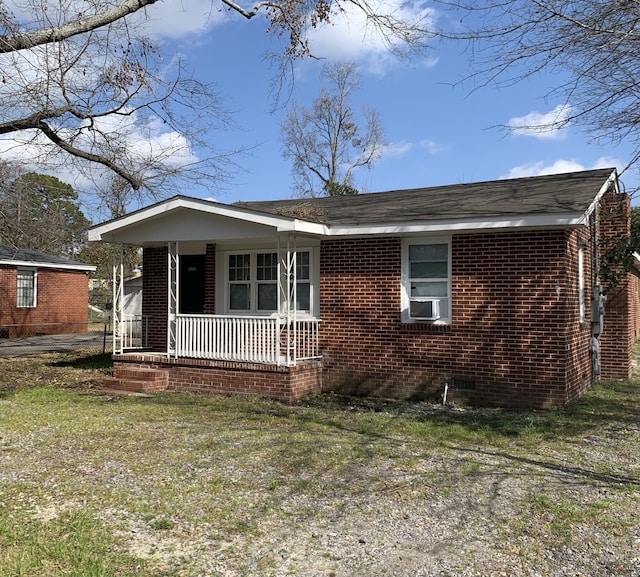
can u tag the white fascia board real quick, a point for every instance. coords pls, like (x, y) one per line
(526, 221)
(32, 264)
(306, 227)
(612, 180)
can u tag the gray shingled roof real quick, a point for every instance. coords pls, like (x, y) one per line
(12, 254)
(540, 195)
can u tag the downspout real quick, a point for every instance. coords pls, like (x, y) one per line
(597, 299)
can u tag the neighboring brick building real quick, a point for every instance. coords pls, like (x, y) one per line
(41, 294)
(486, 289)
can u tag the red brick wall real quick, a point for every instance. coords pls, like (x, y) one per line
(579, 373)
(155, 296)
(513, 303)
(195, 375)
(617, 339)
(61, 303)
(620, 329)
(634, 313)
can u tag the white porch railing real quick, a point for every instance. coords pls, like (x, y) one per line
(129, 332)
(250, 339)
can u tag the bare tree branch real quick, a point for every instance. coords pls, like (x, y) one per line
(71, 29)
(64, 145)
(78, 87)
(591, 45)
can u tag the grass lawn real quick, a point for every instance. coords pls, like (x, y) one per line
(94, 485)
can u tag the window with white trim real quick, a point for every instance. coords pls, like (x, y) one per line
(252, 282)
(581, 307)
(26, 289)
(303, 281)
(426, 281)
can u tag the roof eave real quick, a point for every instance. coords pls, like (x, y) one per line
(611, 181)
(278, 222)
(39, 264)
(463, 225)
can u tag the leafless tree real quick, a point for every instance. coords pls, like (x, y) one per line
(592, 45)
(87, 101)
(326, 142)
(77, 81)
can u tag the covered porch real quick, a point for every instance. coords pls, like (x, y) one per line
(230, 302)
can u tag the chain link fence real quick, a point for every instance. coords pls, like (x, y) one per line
(31, 339)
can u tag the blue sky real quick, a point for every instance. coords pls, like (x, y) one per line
(437, 130)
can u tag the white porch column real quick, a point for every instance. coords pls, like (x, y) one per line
(173, 284)
(117, 307)
(287, 297)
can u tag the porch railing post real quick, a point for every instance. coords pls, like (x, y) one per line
(287, 287)
(117, 308)
(173, 296)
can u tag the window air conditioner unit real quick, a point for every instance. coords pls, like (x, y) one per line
(425, 309)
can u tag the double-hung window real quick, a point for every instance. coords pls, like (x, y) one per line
(303, 281)
(267, 281)
(581, 305)
(26, 289)
(239, 282)
(253, 282)
(426, 281)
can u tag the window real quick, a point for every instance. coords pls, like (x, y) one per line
(426, 281)
(26, 288)
(239, 282)
(303, 284)
(267, 275)
(253, 282)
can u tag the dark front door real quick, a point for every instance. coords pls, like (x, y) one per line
(192, 284)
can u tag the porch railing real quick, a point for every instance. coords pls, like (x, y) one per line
(250, 339)
(130, 332)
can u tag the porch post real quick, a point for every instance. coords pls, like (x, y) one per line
(287, 298)
(172, 300)
(119, 328)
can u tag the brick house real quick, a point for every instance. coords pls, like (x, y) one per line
(488, 288)
(42, 294)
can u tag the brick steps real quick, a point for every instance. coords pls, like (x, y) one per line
(134, 380)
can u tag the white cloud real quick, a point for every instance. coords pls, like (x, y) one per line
(142, 141)
(166, 19)
(402, 148)
(544, 125)
(180, 18)
(559, 167)
(350, 37)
